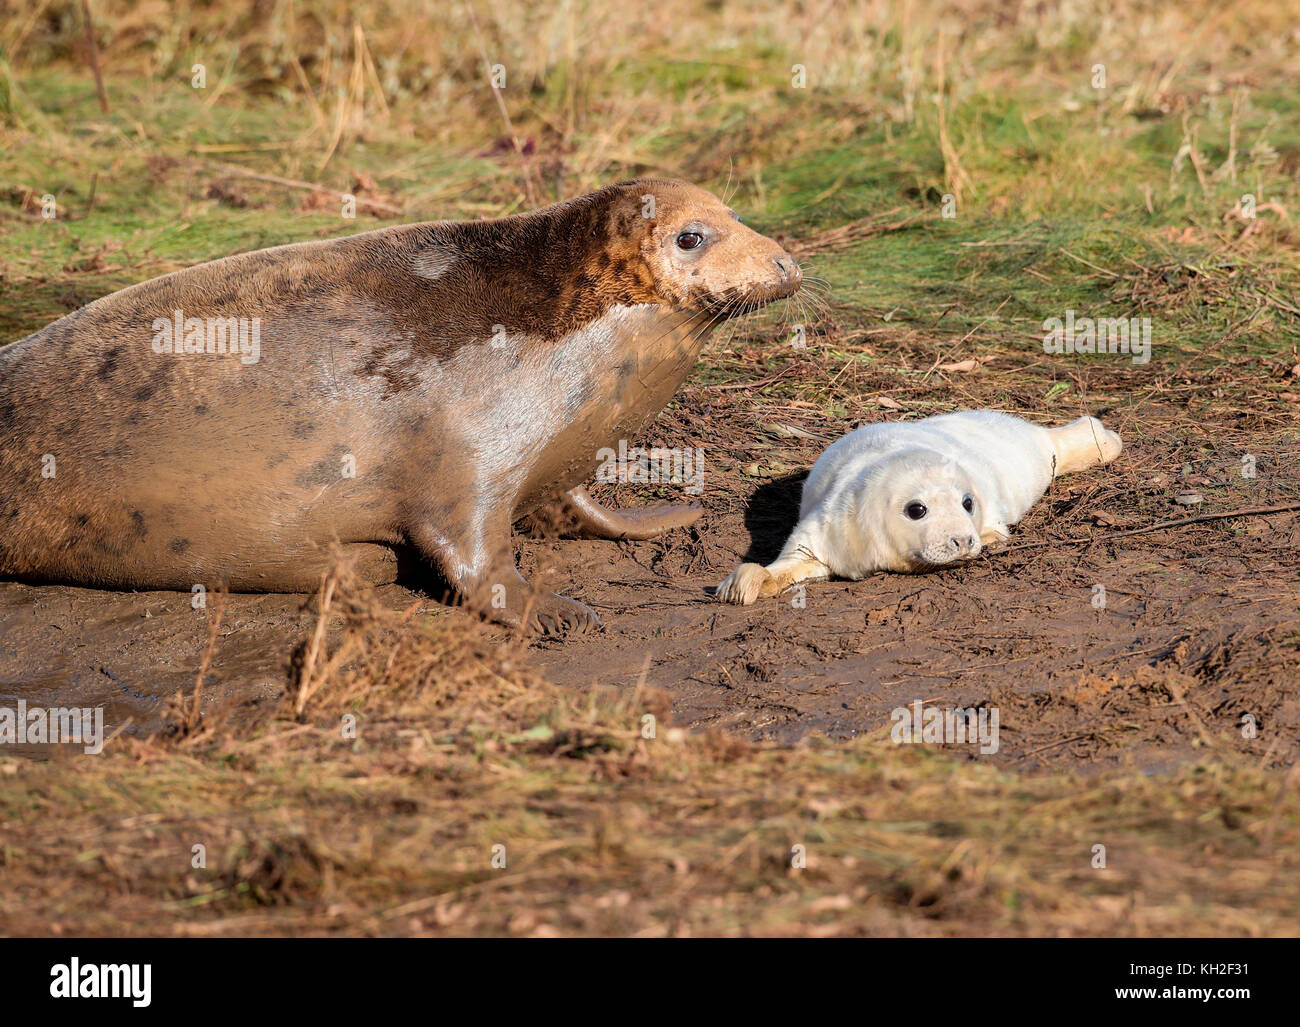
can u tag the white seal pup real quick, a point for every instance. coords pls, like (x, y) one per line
(914, 496)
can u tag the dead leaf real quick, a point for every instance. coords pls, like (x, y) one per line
(789, 431)
(1110, 520)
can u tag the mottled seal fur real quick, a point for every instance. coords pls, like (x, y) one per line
(417, 388)
(916, 495)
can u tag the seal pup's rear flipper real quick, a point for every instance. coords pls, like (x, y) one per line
(1082, 444)
(592, 520)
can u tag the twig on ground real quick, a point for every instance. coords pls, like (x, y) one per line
(94, 56)
(291, 183)
(1252, 512)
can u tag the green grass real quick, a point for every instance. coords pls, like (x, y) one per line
(1068, 199)
(1043, 183)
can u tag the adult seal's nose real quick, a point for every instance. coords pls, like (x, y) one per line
(789, 269)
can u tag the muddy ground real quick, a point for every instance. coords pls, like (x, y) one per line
(1200, 624)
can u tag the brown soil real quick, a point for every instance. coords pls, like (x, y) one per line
(1201, 623)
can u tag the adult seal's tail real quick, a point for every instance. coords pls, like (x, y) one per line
(414, 388)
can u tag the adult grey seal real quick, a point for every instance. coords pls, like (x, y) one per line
(416, 388)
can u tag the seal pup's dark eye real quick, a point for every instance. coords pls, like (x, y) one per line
(915, 510)
(689, 240)
(968, 504)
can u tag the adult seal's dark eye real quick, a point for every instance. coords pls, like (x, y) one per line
(915, 510)
(968, 504)
(689, 240)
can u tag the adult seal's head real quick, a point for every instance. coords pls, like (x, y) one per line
(648, 241)
(408, 392)
(696, 250)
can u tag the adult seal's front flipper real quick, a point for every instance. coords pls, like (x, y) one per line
(575, 512)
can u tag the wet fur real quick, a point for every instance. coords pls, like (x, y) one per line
(471, 370)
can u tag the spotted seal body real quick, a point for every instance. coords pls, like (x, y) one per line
(416, 388)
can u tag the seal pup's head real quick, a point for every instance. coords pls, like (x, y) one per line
(672, 243)
(921, 510)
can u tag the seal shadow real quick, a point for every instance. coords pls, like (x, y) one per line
(422, 577)
(771, 515)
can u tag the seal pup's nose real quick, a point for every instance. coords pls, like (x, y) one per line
(964, 544)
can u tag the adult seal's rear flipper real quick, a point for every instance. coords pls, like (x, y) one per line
(577, 513)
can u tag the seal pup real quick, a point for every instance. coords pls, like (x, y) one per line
(918, 495)
(416, 388)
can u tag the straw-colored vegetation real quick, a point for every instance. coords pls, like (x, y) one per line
(1124, 199)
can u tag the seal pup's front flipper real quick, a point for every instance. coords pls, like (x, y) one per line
(751, 581)
(992, 534)
(591, 520)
